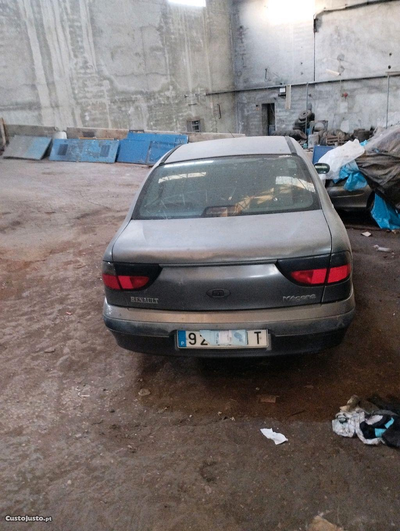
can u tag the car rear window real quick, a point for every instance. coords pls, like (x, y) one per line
(227, 186)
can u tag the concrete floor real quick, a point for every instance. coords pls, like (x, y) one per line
(78, 443)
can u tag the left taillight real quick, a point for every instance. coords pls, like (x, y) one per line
(110, 278)
(133, 281)
(129, 276)
(111, 282)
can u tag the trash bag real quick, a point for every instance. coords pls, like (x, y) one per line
(360, 418)
(347, 424)
(380, 164)
(386, 427)
(385, 215)
(340, 156)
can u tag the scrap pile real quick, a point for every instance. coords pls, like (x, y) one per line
(381, 165)
(306, 130)
(375, 163)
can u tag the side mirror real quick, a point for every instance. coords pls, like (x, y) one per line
(322, 168)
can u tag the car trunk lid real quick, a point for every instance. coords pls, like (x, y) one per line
(224, 240)
(221, 263)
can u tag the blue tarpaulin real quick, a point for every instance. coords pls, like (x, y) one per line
(147, 148)
(355, 180)
(385, 215)
(76, 150)
(27, 147)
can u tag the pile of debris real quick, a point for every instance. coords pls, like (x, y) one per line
(373, 421)
(380, 164)
(309, 132)
(375, 163)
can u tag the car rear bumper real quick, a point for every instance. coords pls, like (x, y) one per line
(293, 330)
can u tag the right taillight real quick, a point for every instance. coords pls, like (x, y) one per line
(319, 270)
(309, 276)
(339, 273)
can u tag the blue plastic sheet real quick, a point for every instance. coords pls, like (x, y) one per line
(385, 215)
(355, 180)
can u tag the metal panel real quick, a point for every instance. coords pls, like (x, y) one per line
(157, 150)
(147, 148)
(319, 151)
(27, 147)
(74, 150)
(134, 148)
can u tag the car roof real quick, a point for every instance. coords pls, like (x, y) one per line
(247, 145)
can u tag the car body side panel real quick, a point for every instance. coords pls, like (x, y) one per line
(340, 239)
(345, 200)
(108, 255)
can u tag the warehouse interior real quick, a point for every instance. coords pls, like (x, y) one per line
(93, 95)
(167, 67)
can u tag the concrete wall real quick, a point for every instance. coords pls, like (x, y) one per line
(136, 64)
(364, 107)
(275, 43)
(148, 64)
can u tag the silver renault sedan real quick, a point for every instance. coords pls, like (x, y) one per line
(231, 248)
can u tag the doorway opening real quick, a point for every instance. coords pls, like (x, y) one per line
(268, 118)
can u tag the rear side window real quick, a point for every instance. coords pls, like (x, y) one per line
(227, 186)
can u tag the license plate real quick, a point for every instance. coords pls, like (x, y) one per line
(223, 339)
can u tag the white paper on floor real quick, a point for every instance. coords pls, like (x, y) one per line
(278, 438)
